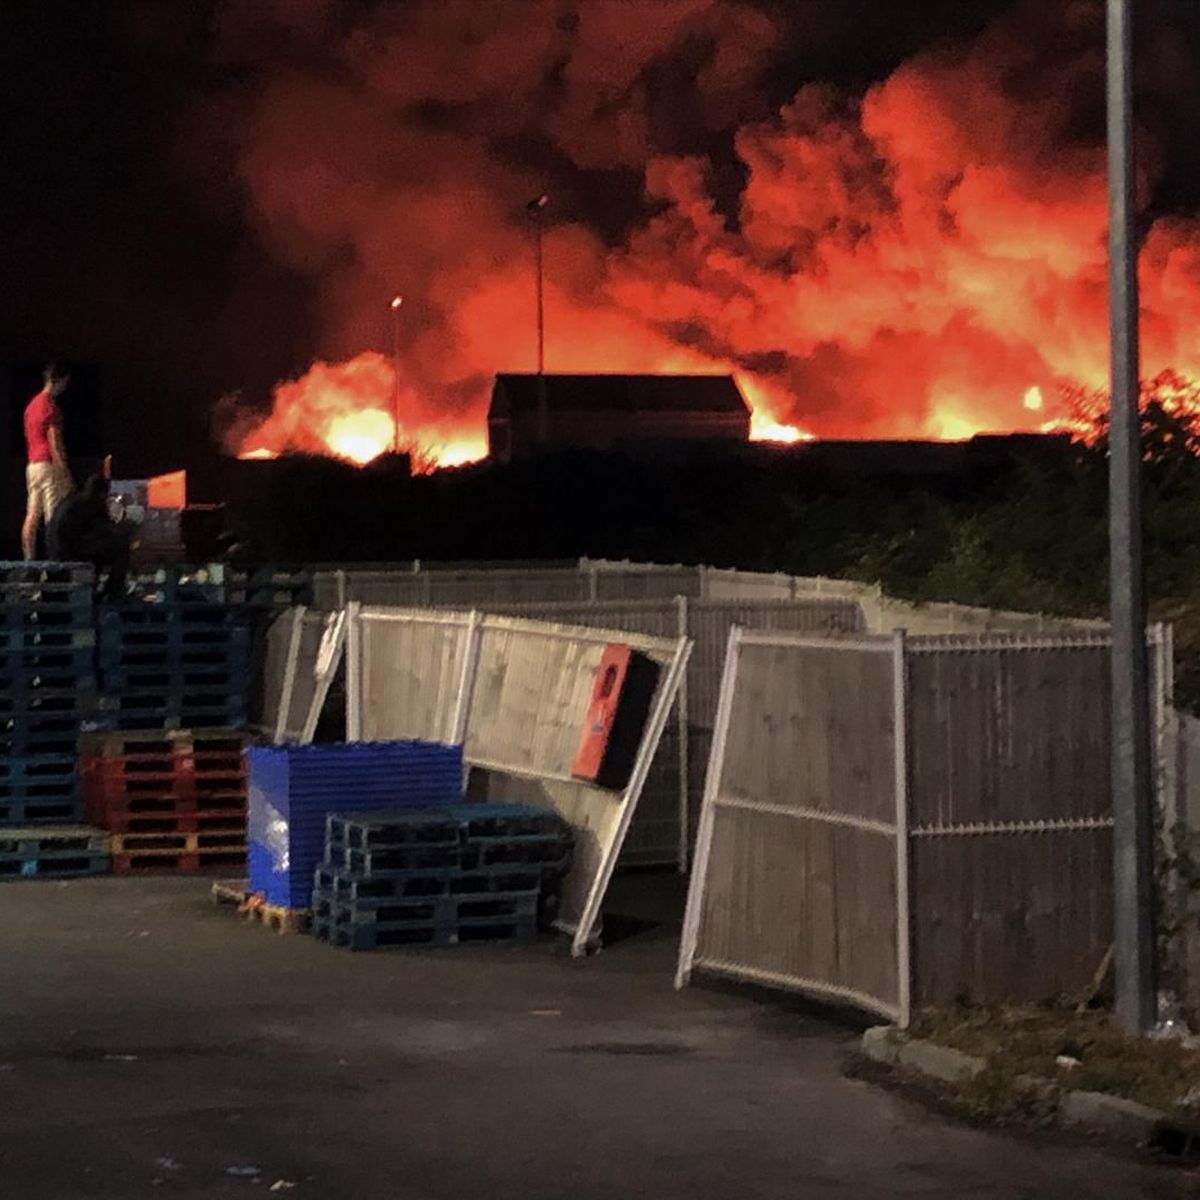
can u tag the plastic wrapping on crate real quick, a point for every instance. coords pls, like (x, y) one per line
(291, 790)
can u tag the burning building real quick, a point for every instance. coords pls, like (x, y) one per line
(531, 415)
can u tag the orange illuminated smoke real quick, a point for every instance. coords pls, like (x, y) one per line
(925, 258)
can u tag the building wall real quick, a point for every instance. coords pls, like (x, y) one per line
(522, 436)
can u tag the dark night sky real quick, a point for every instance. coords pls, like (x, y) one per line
(123, 238)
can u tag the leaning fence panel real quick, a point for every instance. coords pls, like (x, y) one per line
(516, 694)
(411, 673)
(795, 882)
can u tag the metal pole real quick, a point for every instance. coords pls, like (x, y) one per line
(541, 310)
(536, 208)
(1133, 819)
(397, 301)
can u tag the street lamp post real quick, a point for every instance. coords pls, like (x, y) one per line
(1132, 791)
(397, 301)
(536, 208)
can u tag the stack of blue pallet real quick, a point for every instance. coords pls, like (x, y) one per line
(47, 688)
(173, 657)
(292, 789)
(47, 693)
(469, 873)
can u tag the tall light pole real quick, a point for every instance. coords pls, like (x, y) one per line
(536, 208)
(397, 301)
(1132, 791)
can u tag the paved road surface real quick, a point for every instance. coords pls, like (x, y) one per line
(150, 1041)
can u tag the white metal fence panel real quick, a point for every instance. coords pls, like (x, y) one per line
(801, 862)
(515, 693)
(407, 671)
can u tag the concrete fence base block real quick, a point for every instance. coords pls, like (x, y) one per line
(1112, 1115)
(882, 1044)
(941, 1062)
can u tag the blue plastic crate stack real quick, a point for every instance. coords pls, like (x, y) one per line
(435, 878)
(293, 789)
(174, 654)
(47, 693)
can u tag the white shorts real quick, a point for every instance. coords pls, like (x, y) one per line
(47, 486)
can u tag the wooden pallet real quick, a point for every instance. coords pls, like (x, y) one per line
(253, 907)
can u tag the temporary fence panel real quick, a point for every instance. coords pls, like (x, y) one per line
(1011, 815)
(278, 665)
(663, 828)
(515, 693)
(708, 624)
(304, 654)
(532, 687)
(799, 879)
(407, 673)
(654, 836)
(1001, 753)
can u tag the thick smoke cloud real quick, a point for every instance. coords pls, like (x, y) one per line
(909, 260)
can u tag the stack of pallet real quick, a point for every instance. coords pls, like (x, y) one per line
(439, 878)
(267, 588)
(294, 788)
(172, 802)
(47, 691)
(176, 660)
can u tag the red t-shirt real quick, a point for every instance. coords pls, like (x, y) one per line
(41, 415)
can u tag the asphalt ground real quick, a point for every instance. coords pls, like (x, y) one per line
(153, 1044)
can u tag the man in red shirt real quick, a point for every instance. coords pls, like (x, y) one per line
(47, 477)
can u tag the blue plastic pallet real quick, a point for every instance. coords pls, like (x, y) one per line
(37, 810)
(170, 722)
(445, 909)
(46, 571)
(350, 888)
(27, 744)
(43, 680)
(27, 659)
(55, 866)
(37, 766)
(366, 831)
(51, 841)
(18, 641)
(369, 937)
(37, 722)
(18, 619)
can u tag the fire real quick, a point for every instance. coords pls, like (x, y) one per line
(360, 436)
(923, 257)
(344, 410)
(763, 429)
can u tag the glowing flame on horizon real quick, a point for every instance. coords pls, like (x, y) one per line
(763, 429)
(360, 437)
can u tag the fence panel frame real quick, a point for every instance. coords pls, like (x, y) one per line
(689, 959)
(459, 711)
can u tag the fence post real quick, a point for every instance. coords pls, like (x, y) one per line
(900, 737)
(466, 680)
(712, 785)
(335, 630)
(681, 708)
(289, 674)
(354, 671)
(340, 576)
